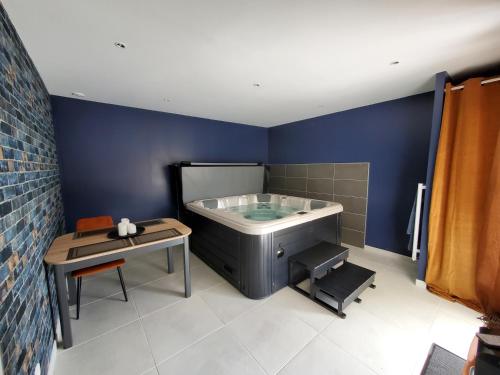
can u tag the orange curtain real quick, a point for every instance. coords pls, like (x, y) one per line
(464, 220)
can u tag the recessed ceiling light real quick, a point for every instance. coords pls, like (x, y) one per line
(256, 85)
(395, 62)
(120, 45)
(78, 94)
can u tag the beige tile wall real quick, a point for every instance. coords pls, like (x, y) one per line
(346, 183)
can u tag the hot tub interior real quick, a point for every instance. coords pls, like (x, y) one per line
(264, 207)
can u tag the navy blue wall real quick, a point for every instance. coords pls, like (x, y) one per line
(114, 159)
(393, 136)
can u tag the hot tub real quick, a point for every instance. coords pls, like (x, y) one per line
(263, 213)
(244, 234)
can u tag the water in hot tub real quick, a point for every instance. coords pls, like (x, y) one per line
(263, 211)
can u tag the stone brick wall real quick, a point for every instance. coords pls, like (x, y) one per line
(31, 212)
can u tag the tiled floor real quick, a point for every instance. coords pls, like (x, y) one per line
(219, 331)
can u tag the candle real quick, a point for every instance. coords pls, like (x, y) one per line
(122, 229)
(131, 228)
(125, 220)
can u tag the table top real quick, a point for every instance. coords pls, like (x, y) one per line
(58, 251)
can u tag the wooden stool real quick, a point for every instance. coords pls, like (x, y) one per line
(87, 224)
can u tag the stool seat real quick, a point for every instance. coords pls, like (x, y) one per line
(98, 268)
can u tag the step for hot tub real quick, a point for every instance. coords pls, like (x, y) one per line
(315, 261)
(343, 285)
(321, 256)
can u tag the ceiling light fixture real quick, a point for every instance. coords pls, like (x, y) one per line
(120, 45)
(395, 62)
(78, 94)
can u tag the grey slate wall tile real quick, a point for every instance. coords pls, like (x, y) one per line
(278, 191)
(353, 221)
(277, 183)
(320, 185)
(321, 197)
(353, 237)
(294, 193)
(296, 170)
(345, 183)
(320, 170)
(352, 204)
(31, 212)
(297, 184)
(351, 171)
(277, 170)
(351, 188)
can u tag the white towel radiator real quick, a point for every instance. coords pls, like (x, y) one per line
(416, 228)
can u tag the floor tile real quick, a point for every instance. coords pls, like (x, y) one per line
(178, 254)
(99, 287)
(390, 332)
(410, 308)
(141, 274)
(453, 333)
(170, 289)
(157, 294)
(227, 302)
(458, 310)
(152, 259)
(159, 257)
(174, 328)
(153, 371)
(321, 356)
(219, 353)
(101, 316)
(289, 301)
(271, 336)
(382, 346)
(123, 351)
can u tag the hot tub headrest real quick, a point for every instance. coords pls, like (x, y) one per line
(213, 181)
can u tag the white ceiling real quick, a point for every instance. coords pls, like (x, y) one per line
(201, 57)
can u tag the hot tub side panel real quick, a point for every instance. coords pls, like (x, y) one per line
(217, 245)
(257, 265)
(243, 260)
(290, 241)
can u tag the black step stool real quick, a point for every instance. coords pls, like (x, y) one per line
(337, 287)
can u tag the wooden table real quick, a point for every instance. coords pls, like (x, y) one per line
(57, 256)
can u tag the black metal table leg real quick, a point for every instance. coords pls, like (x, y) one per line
(71, 289)
(62, 299)
(170, 260)
(122, 282)
(187, 272)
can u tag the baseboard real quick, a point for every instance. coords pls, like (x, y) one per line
(421, 284)
(58, 331)
(388, 253)
(52, 361)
